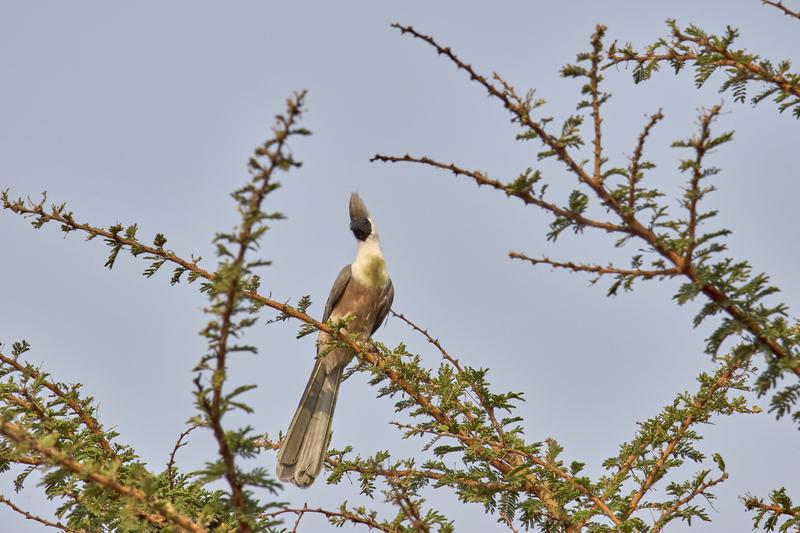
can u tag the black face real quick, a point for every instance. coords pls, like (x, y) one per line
(361, 228)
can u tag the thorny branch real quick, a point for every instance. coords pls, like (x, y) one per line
(68, 398)
(724, 58)
(482, 179)
(484, 402)
(667, 513)
(56, 457)
(178, 445)
(629, 223)
(596, 269)
(277, 159)
(349, 516)
(779, 5)
(634, 175)
(36, 518)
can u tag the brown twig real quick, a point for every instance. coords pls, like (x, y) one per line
(752, 503)
(700, 147)
(690, 419)
(597, 100)
(171, 463)
(596, 269)
(56, 457)
(786, 11)
(377, 469)
(400, 496)
(636, 159)
(347, 515)
(669, 511)
(482, 179)
(749, 70)
(484, 402)
(36, 518)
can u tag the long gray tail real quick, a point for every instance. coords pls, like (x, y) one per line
(303, 451)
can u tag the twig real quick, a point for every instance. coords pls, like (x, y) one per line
(347, 515)
(482, 179)
(377, 469)
(245, 240)
(700, 147)
(691, 418)
(487, 406)
(636, 159)
(36, 518)
(749, 70)
(786, 11)
(596, 269)
(701, 489)
(597, 100)
(171, 463)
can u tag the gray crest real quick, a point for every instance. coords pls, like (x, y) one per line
(358, 209)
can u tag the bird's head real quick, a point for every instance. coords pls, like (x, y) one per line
(360, 222)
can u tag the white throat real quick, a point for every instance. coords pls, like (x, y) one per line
(369, 268)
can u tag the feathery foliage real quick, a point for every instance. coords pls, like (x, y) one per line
(470, 439)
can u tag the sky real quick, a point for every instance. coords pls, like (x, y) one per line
(147, 112)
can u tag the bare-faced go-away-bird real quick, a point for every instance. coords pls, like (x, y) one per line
(362, 292)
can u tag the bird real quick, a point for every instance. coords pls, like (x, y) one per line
(362, 293)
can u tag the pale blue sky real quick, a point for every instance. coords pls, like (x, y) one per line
(147, 112)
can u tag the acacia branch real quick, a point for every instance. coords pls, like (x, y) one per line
(379, 470)
(667, 513)
(630, 224)
(484, 402)
(36, 518)
(525, 195)
(410, 509)
(726, 59)
(700, 146)
(247, 234)
(596, 269)
(178, 445)
(56, 457)
(694, 415)
(636, 159)
(597, 100)
(779, 5)
(67, 398)
(491, 454)
(341, 514)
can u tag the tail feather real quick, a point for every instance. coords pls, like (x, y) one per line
(303, 451)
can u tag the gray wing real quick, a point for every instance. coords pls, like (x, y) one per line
(384, 304)
(336, 291)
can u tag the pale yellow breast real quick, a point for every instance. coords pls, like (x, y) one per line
(371, 271)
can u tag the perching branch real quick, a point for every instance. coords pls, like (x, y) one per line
(375, 360)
